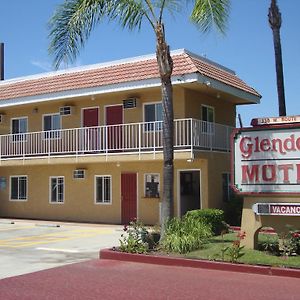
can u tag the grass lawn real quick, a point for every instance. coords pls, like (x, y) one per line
(213, 251)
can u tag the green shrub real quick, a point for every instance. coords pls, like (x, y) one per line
(211, 216)
(233, 210)
(269, 243)
(133, 240)
(185, 235)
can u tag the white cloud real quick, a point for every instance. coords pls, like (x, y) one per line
(44, 65)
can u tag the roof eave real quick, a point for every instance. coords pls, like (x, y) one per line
(130, 86)
(114, 88)
(249, 98)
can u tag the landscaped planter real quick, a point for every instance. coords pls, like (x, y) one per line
(114, 254)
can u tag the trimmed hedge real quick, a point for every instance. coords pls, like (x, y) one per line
(211, 216)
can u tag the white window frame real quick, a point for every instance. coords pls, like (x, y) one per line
(178, 189)
(158, 127)
(21, 136)
(50, 190)
(51, 134)
(10, 187)
(103, 192)
(208, 126)
(145, 182)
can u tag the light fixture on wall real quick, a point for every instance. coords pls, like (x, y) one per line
(190, 160)
(92, 97)
(207, 83)
(35, 110)
(118, 164)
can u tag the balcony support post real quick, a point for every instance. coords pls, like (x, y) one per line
(106, 143)
(0, 149)
(140, 140)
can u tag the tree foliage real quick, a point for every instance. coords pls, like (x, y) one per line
(73, 21)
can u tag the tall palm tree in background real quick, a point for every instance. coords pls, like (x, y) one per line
(74, 20)
(275, 24)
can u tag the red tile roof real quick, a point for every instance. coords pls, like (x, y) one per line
(122, 72)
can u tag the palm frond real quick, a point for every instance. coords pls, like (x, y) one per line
(171, 6)
(129, 13)
(211, 13)
(71, 25)
(74, 20)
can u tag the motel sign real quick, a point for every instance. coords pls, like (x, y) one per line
(266, 159)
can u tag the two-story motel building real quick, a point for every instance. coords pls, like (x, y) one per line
(85, 144)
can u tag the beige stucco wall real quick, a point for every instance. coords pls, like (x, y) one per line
(187, 104)
(79, 194)
(251, 223)
(35, 112)
(224, 110)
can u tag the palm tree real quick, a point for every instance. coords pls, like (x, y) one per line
(74, 20)
(275, 24)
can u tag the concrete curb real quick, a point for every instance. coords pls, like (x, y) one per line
(195, 263)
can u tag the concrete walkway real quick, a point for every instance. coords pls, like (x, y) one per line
(111, 279)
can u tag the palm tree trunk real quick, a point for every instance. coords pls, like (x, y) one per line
(279, 73)
(275, 23)
(165, 65)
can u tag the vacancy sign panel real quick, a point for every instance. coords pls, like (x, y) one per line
(266, 160)
(277, 209)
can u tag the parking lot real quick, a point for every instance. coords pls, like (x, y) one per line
(28, 246)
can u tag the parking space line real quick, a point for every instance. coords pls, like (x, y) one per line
(52, 237)
(58, 250)
(16, 228)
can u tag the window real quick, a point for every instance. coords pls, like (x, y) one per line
(153, 115)
(18, 128)
(226, 187)
(208, 115)
(103, 189)
(52, 124)
(152, 185)
(18, 188)
(57, 189)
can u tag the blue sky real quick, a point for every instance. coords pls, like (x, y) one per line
(247, 47)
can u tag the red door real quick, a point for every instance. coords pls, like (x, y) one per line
(129, 197)
(114, 118)
(90, 136)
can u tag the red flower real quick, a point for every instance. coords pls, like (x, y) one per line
(236, 243)
(296, 235)
(241, 235)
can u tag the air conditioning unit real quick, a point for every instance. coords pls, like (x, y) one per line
(2, 118)
(130, 103)
(79, 174)
(66, 110)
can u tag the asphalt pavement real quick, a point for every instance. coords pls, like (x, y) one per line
(65, 257)
(110, 279)
(29, 246)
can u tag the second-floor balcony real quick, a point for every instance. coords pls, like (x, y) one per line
(134, 138)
